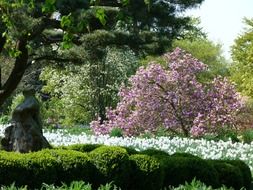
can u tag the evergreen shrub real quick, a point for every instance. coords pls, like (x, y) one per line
(148, 173)
(73, 165)
(130, 150)
(185, 154)
(11, 166)
(228, 174)
(46, 166)
(113, 164)
(84, 147)
(245, 170)
(154, 152)
(184, 169)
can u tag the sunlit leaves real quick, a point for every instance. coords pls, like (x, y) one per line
(49, 6)
(242, 55)
(100, 14)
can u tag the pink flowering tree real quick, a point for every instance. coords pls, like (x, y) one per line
(172, 98)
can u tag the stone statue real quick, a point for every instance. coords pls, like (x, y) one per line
(25, 133)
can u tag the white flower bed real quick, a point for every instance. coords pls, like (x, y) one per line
(203, 148)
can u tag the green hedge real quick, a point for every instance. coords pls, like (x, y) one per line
(245, 171)
(183, 169)
(84, 147)
(113, 165)
(126, 168)
(147, 173)
(47, 166)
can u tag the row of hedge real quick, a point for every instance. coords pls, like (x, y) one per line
(128, 169)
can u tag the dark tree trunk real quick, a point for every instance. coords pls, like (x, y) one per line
(17, 72)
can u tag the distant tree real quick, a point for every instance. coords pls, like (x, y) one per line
(242, 55)
(79, 93)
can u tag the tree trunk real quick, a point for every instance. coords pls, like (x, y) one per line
(17, 72)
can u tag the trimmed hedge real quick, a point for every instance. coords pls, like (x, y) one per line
(47, 166)
(154, 152)
(184, 169)
(245, 171)
(147, 173)
(84, 147)
(150, 169)
(229, 175)
(113, 164)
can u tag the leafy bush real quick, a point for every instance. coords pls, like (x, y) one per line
(185, 154)
(154, 152)
(113, 164)
(84, 147)
(46, 166)
(174, 99)
(228, 174)
(148, 173)
(11, 168)
(245, 171)
(185, 169)
(130, 150)
(73, 165)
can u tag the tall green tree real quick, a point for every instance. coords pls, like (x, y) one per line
(242, 55)
(40, 31)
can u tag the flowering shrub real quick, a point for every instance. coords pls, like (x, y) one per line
(174, 99)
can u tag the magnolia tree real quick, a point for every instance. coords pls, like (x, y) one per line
(173, 98)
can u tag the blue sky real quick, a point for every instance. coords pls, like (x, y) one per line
(222, 20)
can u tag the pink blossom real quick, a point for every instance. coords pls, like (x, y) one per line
(173, 98)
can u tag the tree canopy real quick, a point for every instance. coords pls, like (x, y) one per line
(46, 31)
(242, 55)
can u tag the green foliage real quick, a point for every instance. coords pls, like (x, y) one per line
(35, 30)
(74, 166)
(189, 168)
(196, 184)
(241, 69)
(84, 147)
(229, 175)
(49, 166)
(247, 136)
(154, 152)
(116, 132)
(130, 150)
(113, 164)
(79, 93)
(63, 167)
(4, 119)
(49, 6)
(75, 185)
(244, 169)
(148, 173)
(185, 154)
